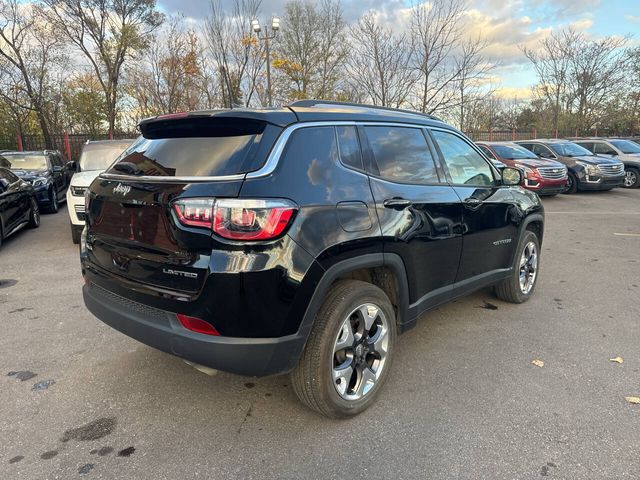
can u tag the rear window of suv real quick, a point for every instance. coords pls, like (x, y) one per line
(198, 147)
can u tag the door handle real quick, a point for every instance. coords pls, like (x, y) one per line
(396, 203)
(472, 203)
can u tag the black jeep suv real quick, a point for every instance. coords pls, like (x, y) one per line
(301, 239)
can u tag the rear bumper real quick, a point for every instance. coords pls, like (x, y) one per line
(161, 329)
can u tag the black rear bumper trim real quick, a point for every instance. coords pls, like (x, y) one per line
(161, 330)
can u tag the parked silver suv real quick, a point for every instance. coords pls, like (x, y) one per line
(626, 151)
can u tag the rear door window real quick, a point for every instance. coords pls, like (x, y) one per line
(402, 154)
(199, 147)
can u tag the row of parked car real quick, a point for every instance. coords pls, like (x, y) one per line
(42, 180)
(31, 181)
(552, 166)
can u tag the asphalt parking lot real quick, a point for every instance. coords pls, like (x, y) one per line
(464, 400)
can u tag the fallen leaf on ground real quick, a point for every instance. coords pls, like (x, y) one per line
(538, 363)
(635, 400)
(617, 360)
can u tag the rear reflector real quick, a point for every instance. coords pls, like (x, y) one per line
(197, 325)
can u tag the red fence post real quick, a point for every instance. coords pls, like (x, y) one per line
(535, 133)
(556, 133)
(20, 147)
(491, 135)
(67, 147)
(513, 134)
(596, 132)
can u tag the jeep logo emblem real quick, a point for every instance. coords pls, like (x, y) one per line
(121, 189)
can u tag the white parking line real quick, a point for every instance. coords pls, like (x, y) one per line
(627, 234)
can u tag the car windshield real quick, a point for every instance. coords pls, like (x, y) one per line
(568, 149)
(98, 156)
(513, 152)
(625, 146)
(27, 161)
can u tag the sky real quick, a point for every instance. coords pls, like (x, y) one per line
(505, 24)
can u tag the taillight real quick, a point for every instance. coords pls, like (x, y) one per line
(195, 212)
(197, 325)
(238, 219)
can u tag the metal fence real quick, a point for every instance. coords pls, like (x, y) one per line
(513, 135)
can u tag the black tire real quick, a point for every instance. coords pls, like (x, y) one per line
(634, 173)
(53, 201)
(75, 234)
(510, 290)
(573, 183)
(34, 214)
(313, 378)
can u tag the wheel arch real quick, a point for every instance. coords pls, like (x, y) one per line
(386, 271)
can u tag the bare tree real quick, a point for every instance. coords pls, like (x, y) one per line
(310, 50)
(597, 72)
(30, 52)
(472, 74)
(552, 63)
(236, 53)
(170, 78)
(437, 30)
(379, 63)
(108, 33)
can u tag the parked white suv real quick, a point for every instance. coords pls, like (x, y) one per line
(96, 157)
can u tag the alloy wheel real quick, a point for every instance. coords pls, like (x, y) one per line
(360, 351)
(630, 178)
(528, 267)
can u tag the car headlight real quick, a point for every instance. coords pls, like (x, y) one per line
(39, 181)
(528, 172)
(590, 169)
(78, 191)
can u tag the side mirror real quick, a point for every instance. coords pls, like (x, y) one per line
(4, 183)
(72, 166)
(511, 176)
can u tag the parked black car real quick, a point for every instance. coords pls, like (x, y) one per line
(18, 205)
(586, 170)
(301, 238)
(47, 171)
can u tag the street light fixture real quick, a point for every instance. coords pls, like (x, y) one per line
(275, 26)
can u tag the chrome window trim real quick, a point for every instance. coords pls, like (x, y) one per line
(274, 156)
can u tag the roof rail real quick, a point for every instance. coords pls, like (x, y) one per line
(328, 103)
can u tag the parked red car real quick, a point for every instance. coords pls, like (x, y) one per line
(545, 177)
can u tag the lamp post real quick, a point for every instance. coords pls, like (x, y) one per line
(275, 26)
